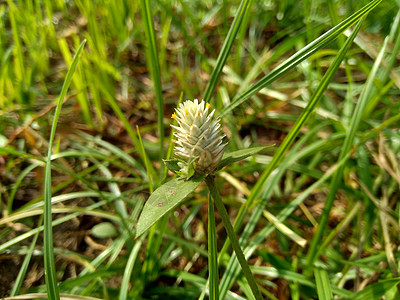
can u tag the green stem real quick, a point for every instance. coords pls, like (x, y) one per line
(232, 236)
(212, 254)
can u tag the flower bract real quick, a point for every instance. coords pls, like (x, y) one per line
(198, 136)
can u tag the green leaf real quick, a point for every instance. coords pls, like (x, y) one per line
(164, 199)
(231, 157)
(245, 6)
(376, 290)
(191, 167)
(123, 293)
(213, 276)
(49, 264)
(104, 230)
(154, 66)
(172, 165)
(323, 284)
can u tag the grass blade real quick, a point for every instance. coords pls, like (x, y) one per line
(50, 269)
(24, 268)
(376, 290)
(212, 253)
(323, 285)
(155, 70)
(128, 271)
(146, 161)
(226, 48)
(17, 184)
(383, 75)
(301, 55)
(79, 82)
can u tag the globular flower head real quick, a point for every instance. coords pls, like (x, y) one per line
(198, 136)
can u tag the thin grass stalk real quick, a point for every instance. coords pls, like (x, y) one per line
(50, 269)
(19, 70)
(17, 184)
(384, 73)
(126, 278)
(49, 14)
(146, 160)
(212, 254)
(323, 284)
(315, 248)
(96, 99)
(232, 236)
(226, 49)
(155, 71)
(386, 238)
(241, 38)
(342, 225)
(22, 271)
(374, 131)
(333, 13)
(79, 82)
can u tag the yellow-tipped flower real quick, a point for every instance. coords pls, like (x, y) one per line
(198, 136)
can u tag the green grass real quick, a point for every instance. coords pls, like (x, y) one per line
(317, 215)
(49, 263)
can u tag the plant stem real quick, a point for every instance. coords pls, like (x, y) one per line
(232, 236)
(212, 254)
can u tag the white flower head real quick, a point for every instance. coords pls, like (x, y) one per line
(198, 136)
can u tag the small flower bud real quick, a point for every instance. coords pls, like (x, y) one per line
(198, 136)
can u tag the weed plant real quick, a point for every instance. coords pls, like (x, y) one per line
(87, 89)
